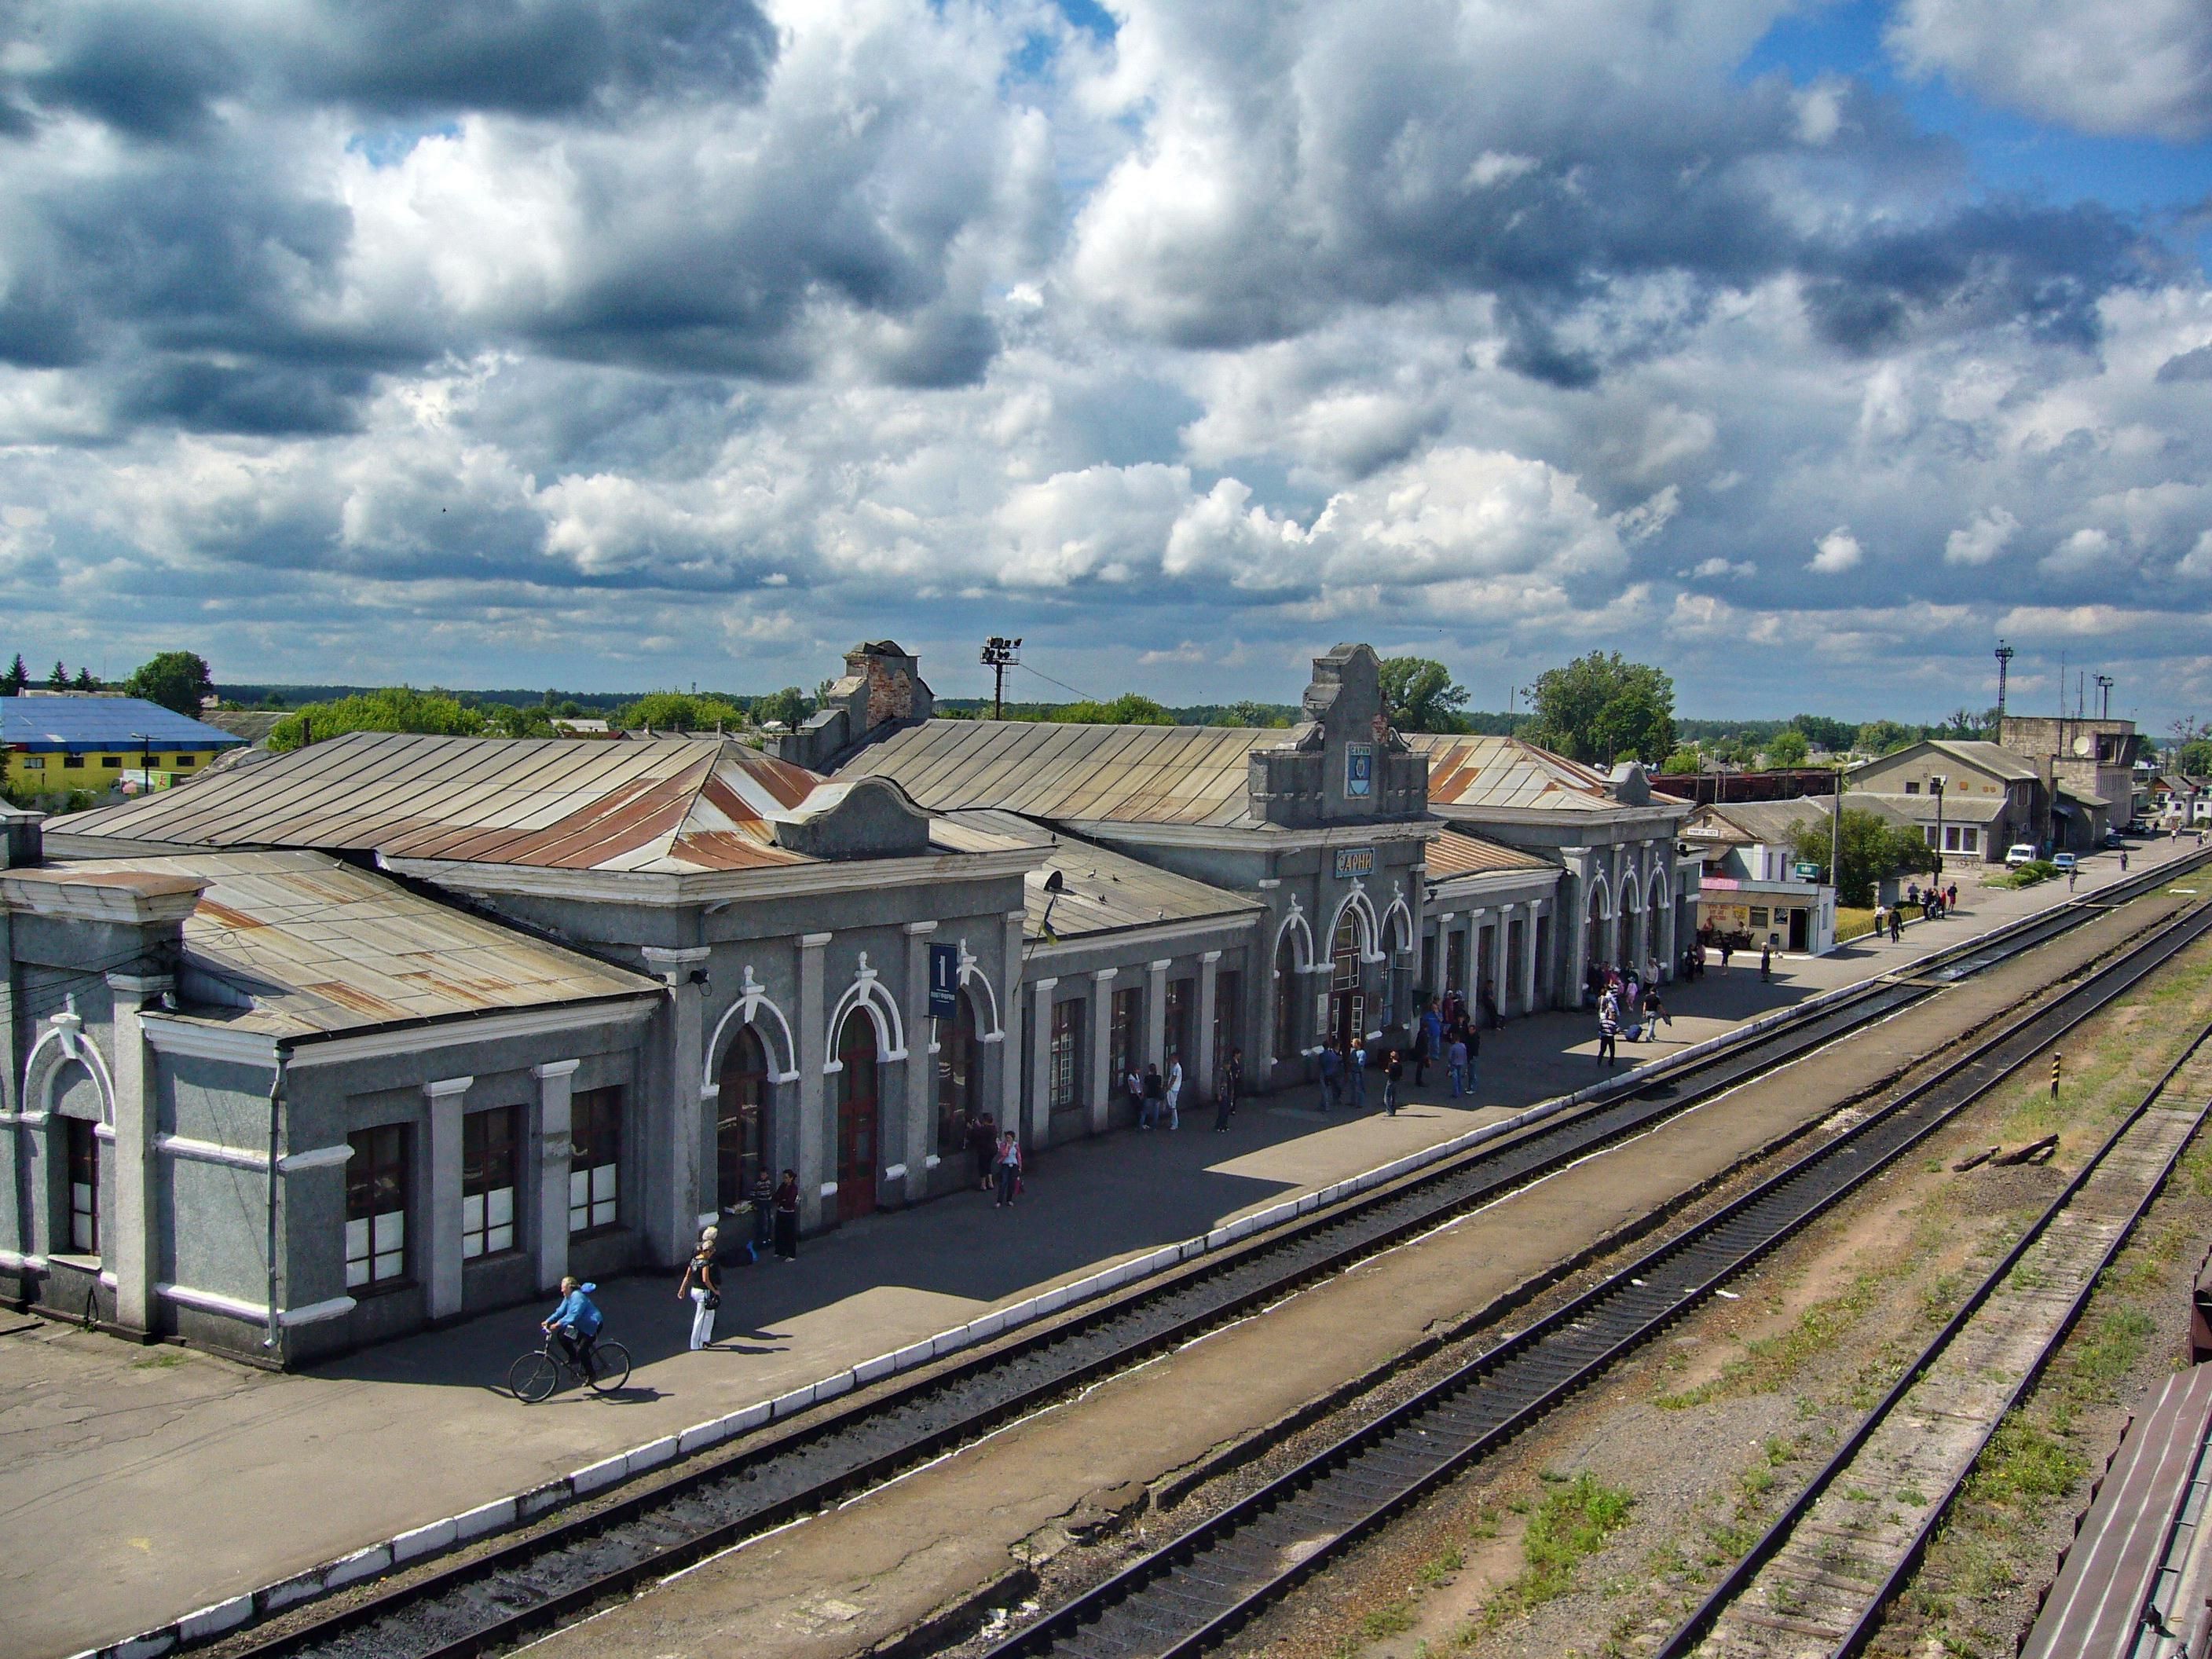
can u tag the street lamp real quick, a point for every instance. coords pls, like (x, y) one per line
(1936, 781)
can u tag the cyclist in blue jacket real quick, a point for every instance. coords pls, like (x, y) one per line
(576, 1322)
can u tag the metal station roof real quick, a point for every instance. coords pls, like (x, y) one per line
(1506, 772)
(302, 944)
(48, 725)
(656, 804)
(1101, 891)
(2122, 1556)
(1456, 853)
(1187, 774)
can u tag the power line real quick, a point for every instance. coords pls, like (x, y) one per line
(1062, 684)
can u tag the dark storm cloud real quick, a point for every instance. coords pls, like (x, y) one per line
(152, 70)
(202, 275)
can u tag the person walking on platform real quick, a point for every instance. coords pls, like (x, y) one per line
(1654, 1011)
(1727, 949)
(1455, 1066)
(1331, 1067)
(1009, 1170)
(703, 1283)
(1393, 1070)
(763, 1212)
(1154, 1088)
(1765, 963)
(1174, 1091)
(1896, 924)
(1355, 1065)
(1609, 1031)
(786, 1216)
(1224, 1090)
(983, 1147)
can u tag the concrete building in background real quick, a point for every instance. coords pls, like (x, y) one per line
(2087, 770)
(57, 742)
(1969, 799)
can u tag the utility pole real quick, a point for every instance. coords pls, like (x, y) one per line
(2104, 683)
(999, 653)
(2005, 654)
(1836, 838)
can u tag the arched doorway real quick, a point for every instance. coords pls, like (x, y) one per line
(959, 1079)
(744, 1124)
(1347, 1001)
(856, 1116)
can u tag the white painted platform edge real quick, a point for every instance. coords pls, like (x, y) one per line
(528, 1505)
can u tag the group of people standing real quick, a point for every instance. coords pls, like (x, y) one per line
(1157, 1096)
(774, 1207)
(1630, 1002)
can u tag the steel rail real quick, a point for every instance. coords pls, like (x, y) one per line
(494, 1597)
(1694, 1629)
(1206, 1581)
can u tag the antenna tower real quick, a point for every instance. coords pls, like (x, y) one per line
(2005, 654)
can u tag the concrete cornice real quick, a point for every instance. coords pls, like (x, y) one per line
(668, 889)
(1262, 842)
(133, 898)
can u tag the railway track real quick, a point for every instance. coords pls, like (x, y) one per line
(1206, 1582)
(483, 1601)
(1818, 1580)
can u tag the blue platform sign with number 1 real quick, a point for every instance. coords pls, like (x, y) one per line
(944, 982)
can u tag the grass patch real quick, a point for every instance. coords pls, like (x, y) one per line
(158, 1361)
(1766, 1364)
(1572, 1523)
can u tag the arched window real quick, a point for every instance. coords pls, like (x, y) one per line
(959, 1078)
(743, 1124)
(856, 1115)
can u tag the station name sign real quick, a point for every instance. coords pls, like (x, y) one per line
(1354, 861)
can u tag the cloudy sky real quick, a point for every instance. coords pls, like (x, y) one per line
(1801, 348)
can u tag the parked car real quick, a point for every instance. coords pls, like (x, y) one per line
(2018, 853)
(2113, 838)
(2062, 860)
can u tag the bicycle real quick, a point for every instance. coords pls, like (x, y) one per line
(535, 1376)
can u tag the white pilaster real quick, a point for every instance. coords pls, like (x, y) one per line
(920, 1067)
(556, 1086)
(1010, 1053)
(128, 1248)
(818, 1127)
(442, 1252)
(674, 1202)
(1103, 1080)
(1156, 1012)
(1040, 1053)
(1199, 1083)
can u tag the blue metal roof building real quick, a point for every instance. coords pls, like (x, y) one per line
(117, 724)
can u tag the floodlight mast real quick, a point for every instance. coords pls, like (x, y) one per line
(999, 653)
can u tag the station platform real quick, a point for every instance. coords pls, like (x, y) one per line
(169, 1480)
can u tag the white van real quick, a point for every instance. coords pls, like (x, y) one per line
(2018, 853)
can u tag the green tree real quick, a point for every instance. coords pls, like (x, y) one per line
(1421, 696)
(2195, 757)
(178, 680)
(1254, 714)
(1872, 848)
(59, 680)
(1683, 763)
(393, 709)
(788, 705)
(682, 711)
(1788, 747)
(1834, 736)
(506, 720)
(1884, 738)
(85, 682)
(1603, 708)
(18, 676)
(1130, 708)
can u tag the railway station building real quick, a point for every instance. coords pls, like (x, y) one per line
(330, 1045)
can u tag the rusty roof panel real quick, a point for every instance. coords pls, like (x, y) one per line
(659, 803)
(322, 947)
